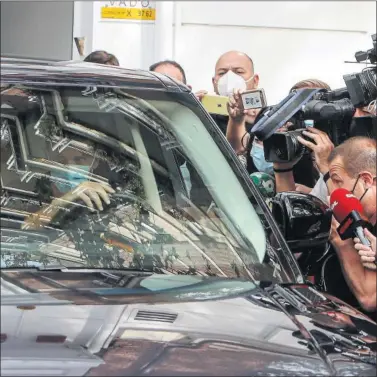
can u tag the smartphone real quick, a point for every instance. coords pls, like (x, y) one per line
(215, 104)
(254, 99)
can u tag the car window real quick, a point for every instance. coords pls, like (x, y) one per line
(110, 178)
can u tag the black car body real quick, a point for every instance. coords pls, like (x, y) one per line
(183, 272)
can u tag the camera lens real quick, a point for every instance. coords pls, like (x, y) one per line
(283, 146)
(297, 149)
(280, 147)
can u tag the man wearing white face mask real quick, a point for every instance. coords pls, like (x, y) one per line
(233, 70)
(234, 73)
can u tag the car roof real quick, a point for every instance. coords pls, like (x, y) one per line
(76, 73)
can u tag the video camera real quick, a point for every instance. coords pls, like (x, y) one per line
(329, 111)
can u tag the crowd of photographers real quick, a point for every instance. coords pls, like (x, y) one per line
(318, 171)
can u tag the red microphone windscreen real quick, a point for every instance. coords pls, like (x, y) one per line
(343, 202)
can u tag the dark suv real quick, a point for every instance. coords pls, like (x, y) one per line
(134, 243)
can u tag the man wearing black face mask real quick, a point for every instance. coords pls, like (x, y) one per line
(352, 165)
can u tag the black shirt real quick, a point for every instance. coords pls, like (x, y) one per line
(338, 287)
(221, 121)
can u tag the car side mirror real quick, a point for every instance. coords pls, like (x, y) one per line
(304, 220)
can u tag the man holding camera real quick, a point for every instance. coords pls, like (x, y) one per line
(234, 71)
(321, 147)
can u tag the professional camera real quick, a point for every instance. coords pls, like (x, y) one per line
(284, 146)
(362, 87)
(329, 111)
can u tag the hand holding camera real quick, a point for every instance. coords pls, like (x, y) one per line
(235, 107)
(245, 105)
(321, 145)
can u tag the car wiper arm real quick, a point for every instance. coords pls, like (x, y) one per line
(307, 335)
(59, 268)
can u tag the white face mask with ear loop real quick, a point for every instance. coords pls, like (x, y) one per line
(230, 82)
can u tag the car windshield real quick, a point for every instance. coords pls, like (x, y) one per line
(101, 177)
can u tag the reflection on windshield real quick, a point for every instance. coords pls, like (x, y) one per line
(105, 179)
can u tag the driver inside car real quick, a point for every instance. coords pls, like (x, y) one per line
(71, 186)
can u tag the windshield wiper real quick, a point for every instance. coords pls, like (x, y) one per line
(58, 268)
(290, 297)
(307, 335)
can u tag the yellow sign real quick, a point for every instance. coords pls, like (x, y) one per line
(118, 13)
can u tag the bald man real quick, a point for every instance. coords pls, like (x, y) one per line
(234, 73)
(230, 65)
(234, 70)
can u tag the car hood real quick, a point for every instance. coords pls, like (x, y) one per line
(56, 324)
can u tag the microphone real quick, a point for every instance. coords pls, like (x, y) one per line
(348, 211)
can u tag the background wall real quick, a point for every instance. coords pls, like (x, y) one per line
(288, 41)
(136, 44)
(131, 41)
(37, 29)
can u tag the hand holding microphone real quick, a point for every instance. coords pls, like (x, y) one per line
(367, 254)
(348, 211)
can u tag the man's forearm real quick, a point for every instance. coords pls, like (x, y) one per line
(235, 132)
(362, 282)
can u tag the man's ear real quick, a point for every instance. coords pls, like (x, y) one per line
(256, 81)
(214, 84)
(368, 178)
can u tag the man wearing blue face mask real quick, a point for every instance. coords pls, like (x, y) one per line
(304, 173)
(237, 134)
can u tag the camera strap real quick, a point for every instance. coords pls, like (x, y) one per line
(276, 117)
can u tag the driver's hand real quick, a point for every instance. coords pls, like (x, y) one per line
(367, 254)
(321, 147)
(91, 193)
